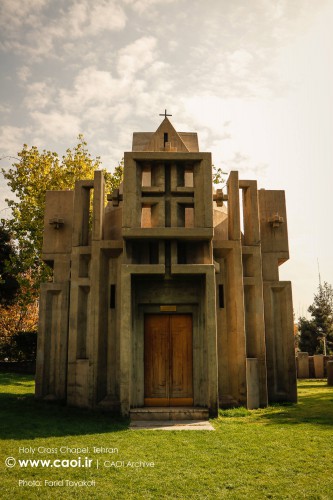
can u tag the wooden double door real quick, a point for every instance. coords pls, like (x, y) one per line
(168, 360)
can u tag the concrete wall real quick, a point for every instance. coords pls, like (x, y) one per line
(312, 366)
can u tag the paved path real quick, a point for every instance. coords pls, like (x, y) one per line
(172, 425)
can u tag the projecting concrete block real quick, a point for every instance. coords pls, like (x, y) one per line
(330, 373)
(252, 380)
(302, 365)
(318, 361)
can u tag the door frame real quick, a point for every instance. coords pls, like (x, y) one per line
(169, 400)
(200, 365)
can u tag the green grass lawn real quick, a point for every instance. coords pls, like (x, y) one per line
(284, 451)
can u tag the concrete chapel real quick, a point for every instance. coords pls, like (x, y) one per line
(168, 296)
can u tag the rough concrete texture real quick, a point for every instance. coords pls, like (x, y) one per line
(165, 246)
(303, 365)
(330, 373)
(318, 361)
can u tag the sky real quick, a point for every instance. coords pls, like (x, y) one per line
(253, 78)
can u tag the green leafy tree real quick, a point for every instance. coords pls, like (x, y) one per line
(218, 175)
(9, 285)
(19, 316)
(308, 341)
(29, 179)
(316, 334)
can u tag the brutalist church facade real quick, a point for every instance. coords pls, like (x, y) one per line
(170, 294)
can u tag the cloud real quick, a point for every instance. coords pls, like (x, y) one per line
(23, 73)
(91, 88)
(16, 13)
(39, 95)
(144, 6)
(56, 125)
(86, 17)
(4, 109)
(38, 28)
(136, 56)
(11, 140)
(240, 62)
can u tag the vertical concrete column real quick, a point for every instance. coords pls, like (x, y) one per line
(203, 191)
(81, 212)
(125, 341)
(318, 361)
(131, 193)
(330, 373)
(234, 229)
(303, 365)
(280, 349)
(252, 382)
(236, 324)
(251, 212)
(97, 325)
(51, 364)
(255, 331)
(98, 205)
(210, 307)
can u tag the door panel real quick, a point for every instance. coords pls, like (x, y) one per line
(156, 362)
(168, 360)
(181, 356)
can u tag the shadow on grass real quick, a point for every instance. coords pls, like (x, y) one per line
(314, 407)
(24, 417)
(15, 379)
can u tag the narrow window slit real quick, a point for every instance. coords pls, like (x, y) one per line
(112, 296)
(221, 296)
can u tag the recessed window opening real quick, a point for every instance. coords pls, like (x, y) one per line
(189, 216)
(146, 177)
(166, 138)
(181, 252)
(112, 296)
(188, 177)
(146, 216)
(221, 296)
(180, 175)
(153, 252)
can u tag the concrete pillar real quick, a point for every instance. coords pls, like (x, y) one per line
(318, 361)
(210, 310)
(250, 212)
(81, 212)
(252, 382)
(330, 373)
(234, 227)
(125, 341)
(234, 296)
(302, 365)
(280, 355)
(98, 205)
(51, 364)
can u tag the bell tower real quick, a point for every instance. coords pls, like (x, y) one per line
(167, 228)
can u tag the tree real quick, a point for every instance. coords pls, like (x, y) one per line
(9, 285)
(18, 322)
(218, 175)
(29, 179)
(316, 334)
(308, 341)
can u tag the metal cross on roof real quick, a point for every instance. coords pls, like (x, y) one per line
(165, 114)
